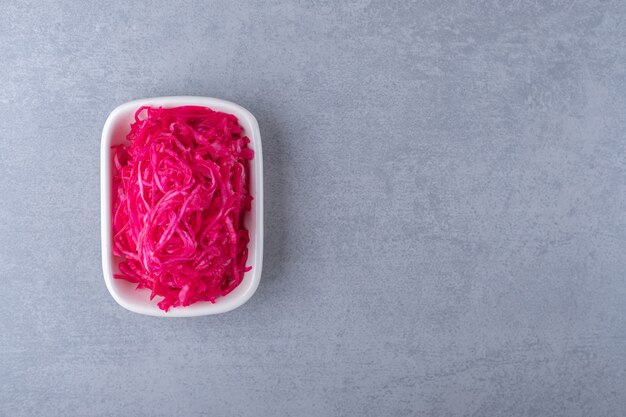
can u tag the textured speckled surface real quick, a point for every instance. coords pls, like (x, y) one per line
(446, 209)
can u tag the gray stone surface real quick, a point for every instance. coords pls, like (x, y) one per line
(446, 209)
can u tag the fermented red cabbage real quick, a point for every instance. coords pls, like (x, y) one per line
(180, 193)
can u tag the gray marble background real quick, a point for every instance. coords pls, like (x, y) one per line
(446, 209)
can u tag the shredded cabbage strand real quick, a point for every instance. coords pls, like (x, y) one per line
(180, 193)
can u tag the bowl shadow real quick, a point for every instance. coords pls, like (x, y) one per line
(276, 200)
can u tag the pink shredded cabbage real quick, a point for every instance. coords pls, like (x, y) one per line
(180, 192)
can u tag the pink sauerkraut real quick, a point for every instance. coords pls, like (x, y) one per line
(180, 192)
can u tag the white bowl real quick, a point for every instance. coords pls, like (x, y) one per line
(125, 293)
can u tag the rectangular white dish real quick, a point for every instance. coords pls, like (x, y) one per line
(114, 132)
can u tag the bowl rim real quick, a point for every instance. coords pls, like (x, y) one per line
(223, 304)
